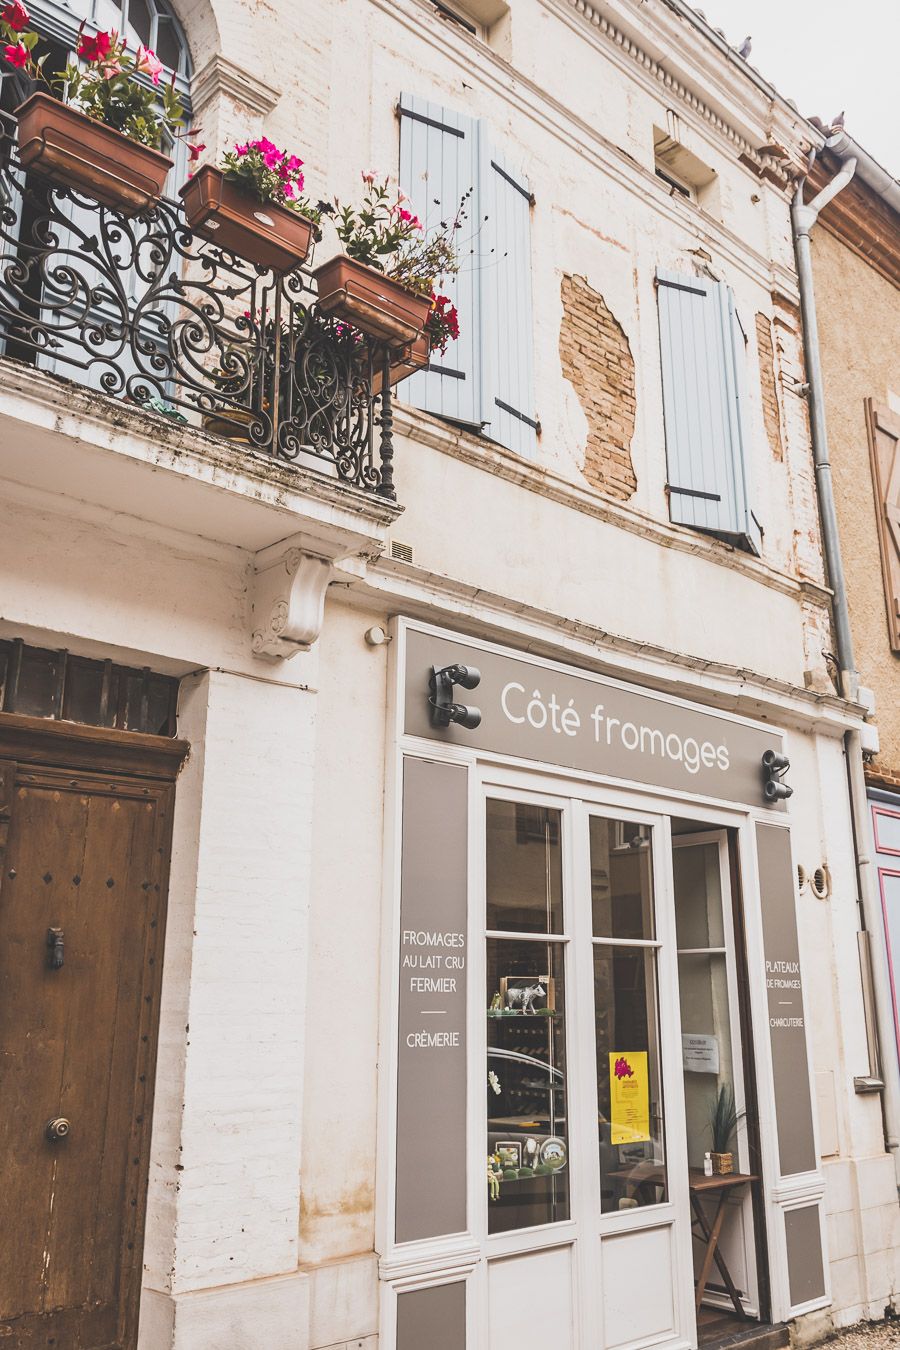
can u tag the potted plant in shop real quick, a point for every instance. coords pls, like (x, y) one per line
(253, 206)
(105, 138)
(723, 1119)
(384, 280)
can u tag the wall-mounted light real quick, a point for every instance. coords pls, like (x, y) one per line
(775, 766)
(443, 709)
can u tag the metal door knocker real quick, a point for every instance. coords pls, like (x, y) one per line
(56, 945)
(56, 1129)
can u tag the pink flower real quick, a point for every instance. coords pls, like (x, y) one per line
(195, 151)
(368, 176)
(16, 56)
(409, 219)
(288, 189)
(148, 63)
(241, 149)
(110, 69)
(294, 164)
(16, 15)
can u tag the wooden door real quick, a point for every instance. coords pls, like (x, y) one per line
(83, 864)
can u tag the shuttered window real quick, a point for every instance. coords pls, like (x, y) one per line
(884, 450)
(703, 349)
(486, 378)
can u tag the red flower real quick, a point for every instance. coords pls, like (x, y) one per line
(95, 48)
(16, 56)
(16, 15)
(195, 151)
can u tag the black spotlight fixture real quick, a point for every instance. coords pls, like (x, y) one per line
(443, 709)
(775, 766)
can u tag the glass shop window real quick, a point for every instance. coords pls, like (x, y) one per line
(626, 1017)
(527, 1127)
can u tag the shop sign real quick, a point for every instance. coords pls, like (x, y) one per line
(557, 715)
(629, 1094)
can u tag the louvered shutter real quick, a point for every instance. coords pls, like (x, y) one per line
(438, 163)
(703, 373)
(884, 450)
(508, 336)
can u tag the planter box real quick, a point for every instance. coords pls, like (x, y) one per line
(412, 358)
(370, 301)
(77, 152)
(262, 232)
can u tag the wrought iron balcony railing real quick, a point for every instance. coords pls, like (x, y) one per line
(142, 310)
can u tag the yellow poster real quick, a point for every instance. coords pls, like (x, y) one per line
(629, 1092)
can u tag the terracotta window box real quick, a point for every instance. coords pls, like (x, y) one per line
(368, 300)
(412, 358)
(77, 152)
(264, 233)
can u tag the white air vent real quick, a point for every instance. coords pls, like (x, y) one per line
(801, 877)
(402, 552)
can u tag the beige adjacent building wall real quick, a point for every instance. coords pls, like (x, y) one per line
(859, 323)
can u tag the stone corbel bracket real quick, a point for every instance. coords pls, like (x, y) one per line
(288, 595)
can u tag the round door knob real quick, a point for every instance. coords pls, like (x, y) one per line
(57, 1129)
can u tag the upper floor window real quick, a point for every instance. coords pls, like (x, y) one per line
(703, 349)
(148, 22)
(486, 378)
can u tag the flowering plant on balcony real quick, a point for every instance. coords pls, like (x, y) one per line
(106, 85)
(384, 233)
(263, 171)
(442, 326)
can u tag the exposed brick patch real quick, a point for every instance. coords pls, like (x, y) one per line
(767, 379)
(596, 358)
(876, 776)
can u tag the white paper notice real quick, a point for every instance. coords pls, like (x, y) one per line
(700, 1054)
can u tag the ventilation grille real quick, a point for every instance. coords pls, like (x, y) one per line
(402, 552)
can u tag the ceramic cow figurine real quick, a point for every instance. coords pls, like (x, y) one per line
(524, 997)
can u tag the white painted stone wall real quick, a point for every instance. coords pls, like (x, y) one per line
(261, 1223)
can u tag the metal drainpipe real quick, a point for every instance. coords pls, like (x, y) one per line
(883, 1070)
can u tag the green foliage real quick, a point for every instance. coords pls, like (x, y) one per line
(383, 233)
(107, 83)
(723, 1118)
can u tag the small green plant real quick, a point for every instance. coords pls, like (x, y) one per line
(723, 1118)
(384, 233)
(272, 175)
(110, 85)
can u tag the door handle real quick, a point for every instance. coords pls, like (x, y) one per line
(56, 1129)
(57, 948)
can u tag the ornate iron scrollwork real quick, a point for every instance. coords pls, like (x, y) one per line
(138, 308)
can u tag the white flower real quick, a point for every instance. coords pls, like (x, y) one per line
(494, 1081)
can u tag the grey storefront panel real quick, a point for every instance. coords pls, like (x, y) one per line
(431, 1070)
(556, 715)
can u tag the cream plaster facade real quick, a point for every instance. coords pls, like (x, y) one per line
(125, 537)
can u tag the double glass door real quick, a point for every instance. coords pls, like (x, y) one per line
(606, 938)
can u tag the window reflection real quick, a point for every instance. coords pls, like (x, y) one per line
(526, 1085)
(527, 1124)
(629, 1089)
(524, 868)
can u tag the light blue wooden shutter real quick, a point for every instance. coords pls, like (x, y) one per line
(438, 163)
(508, 337)
(707, 447)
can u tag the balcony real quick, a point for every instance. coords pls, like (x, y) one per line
(222, 400)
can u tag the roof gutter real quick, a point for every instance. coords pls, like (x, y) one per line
(868, 170)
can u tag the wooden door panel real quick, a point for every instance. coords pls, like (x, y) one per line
(86, 853)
